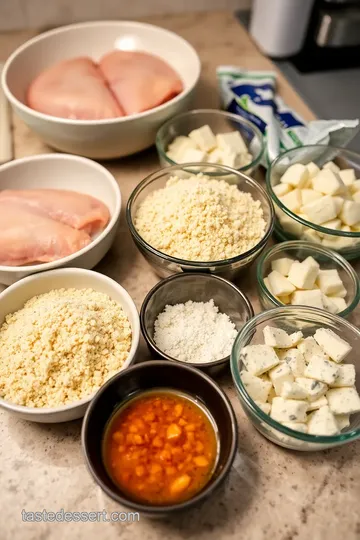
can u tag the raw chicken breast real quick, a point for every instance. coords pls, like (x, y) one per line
(73, 89)
(27, 237)
(71, 208)
(138, 80)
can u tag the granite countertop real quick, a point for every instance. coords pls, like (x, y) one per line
(271, 492)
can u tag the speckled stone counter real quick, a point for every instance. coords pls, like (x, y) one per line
(271, 493)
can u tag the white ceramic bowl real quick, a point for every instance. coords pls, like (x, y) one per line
(14, 299)
(99, 139)
(61, 171)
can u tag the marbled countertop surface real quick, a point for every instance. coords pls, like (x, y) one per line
(272, 492)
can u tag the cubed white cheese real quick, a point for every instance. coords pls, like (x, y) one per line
(281, 189)
(322, 422)
(279, 284)
(333, 345)
(285, 299)
(179, 145)
(339, 203)
(311, 236)
(339, 303)
(292, 200)
(347, 176)
(293, 391)
(296, 175)
(328, 183)
(272, 394)
(333, 224)
(308, 348)
(313, 169)
(203, 138)
(345, 376)
(350, 213)
(343, 400)
(356, 197)
(231, 159)
(329, 282)
(276, 337)
(231, 142)
(309, 195)
(215, 156)
(321, 370)
(342, 420)
(288, 410)
(296, 426)
(257, 388)
(282, 265)
(332, 166)
(295, 338)
(314, 389)
(311, 298)
(291, 226)
(355, 187)
(321, 402)
(258, 358)
(310, 261)
(265, 407)
(321, 210)
(329, 305)
(280, 374)
(191, 155)
(303, 275)
(294, 359)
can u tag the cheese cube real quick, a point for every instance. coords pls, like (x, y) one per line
(275, 337)
(179, 145)
(215, 156)
(303, 275)
(321, 210)
(313, 169)
(295, 338)
(203, 138)
(280, 374)
(285, 299)
(321, 402)
(339, 303)
(293, 391)
(308, 348)
(294, 359)
(288, 410)
(191, 155)
(296, 426)
(309, 195)
(258, 358)
(329, 305)
(281, 189)
(282, 265)
(347, 176)
(296, 175)
(311, 298)
(279, 284)
(311, 236)
(322, 422)
(257, 388)
(231, 142)
(332, 166)
(292, 200)
(342, 420)
(333, 224)
(291, 226)
(329, 282)
(331, 344)
(321, 370)
(231, 159)
(350, 213)
(314, 389)
(328, 183)
(343, 400)
(265, 407)
(272, 395)
(339, 203)
(345, 376)
(356, 197)
(355, 187)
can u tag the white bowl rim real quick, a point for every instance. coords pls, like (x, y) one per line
(93, 243)
(121, 119)
(13, 407)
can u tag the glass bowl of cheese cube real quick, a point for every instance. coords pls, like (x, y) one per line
(316, 193)
(211, 136)
(296, 370)
(301, 273)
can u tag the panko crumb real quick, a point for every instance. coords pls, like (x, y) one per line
(200, 219)
(61, 347)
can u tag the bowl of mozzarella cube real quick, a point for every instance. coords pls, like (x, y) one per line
(297, 374)
(213, 137)
(301, 273)
(316, 194)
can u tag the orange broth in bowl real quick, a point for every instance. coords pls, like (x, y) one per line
(161, 447)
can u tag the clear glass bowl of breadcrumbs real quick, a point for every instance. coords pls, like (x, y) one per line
(165, 265)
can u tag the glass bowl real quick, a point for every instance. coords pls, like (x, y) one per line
(290, 319)
(180, 288)
(300, 250)
(290, 226)
(164, 264)
(219, 122)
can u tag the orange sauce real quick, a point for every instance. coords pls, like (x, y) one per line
(160, 448)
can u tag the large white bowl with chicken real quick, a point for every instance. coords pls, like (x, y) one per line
(109, 137)
(56, 210)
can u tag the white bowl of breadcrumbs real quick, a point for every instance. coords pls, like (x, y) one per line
(63, 334)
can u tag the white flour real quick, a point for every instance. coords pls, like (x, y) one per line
(194, 332)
